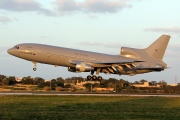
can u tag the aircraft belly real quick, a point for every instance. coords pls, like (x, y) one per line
(45, 58)
(58, 60)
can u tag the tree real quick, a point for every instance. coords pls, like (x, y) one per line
(153, 83)
(142, 81)
(12, 80)
(67, 86)
(60, 79)
(2, 78)
(42, 84)
(121, 82)
(74, 79)
(27, 80)
(38, 80)
(136, 82)
(107, 81)
(80, 79)
(111, 85)
(53, 84)
(162, 83)
(60, 82)
(126, 84)
(6, 82)
(88, 86)
(96, 85)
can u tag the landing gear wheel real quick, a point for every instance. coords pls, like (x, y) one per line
(89, 77)
(94, 77)
(34, 69)
(99, 78)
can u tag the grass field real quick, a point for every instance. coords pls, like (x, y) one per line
(88, 108)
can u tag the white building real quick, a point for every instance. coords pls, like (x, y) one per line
(145, 84)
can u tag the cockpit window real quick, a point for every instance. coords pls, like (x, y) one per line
(16, 47)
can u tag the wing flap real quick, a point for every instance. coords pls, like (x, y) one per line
(117, 62)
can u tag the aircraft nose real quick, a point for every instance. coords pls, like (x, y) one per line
(10, 51)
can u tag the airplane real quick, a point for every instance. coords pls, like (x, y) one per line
(130, 61)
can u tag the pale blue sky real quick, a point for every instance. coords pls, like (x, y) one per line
(94, 25)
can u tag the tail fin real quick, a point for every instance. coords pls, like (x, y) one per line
(158, 48)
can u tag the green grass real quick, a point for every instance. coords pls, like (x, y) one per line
(88, 108)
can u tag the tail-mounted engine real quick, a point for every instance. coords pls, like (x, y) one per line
(130, 52)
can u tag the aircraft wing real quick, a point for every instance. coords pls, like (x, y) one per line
(105, 64)
(116, 67)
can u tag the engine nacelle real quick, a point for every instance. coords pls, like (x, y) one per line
(83, 67)
(72, 69)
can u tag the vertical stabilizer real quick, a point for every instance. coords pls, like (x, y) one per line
(158, 48)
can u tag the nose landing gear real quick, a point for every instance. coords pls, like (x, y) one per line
(34, 66)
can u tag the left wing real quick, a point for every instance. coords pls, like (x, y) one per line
(113, 67)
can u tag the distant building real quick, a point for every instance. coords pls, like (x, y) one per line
(145, 84)
(173, 85)
(80, 85)
(18, 79)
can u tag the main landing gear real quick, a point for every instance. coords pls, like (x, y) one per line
(95, 77)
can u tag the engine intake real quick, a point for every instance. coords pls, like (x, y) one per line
(70, 69)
